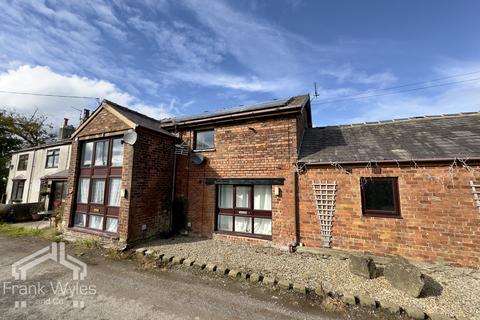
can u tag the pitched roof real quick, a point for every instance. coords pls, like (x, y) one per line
(444, 137)
(132, 118)
(46, 145)
(240, 112)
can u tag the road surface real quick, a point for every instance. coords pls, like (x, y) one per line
(114, 289)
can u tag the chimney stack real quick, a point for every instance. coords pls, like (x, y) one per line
(86, 114)
(65, 131)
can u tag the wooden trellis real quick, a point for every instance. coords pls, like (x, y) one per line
(476, 193)
(324, 193)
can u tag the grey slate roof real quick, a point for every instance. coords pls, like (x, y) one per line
(48, 144)
(139, 119)
(293, 101)
(443, 137)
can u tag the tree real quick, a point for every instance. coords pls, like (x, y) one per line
(19, 131)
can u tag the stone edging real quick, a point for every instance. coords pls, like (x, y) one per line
(320, 291)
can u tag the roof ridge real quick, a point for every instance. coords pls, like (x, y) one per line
(401, 120)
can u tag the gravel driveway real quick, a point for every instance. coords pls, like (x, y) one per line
(451, 291)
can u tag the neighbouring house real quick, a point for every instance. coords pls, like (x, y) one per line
(262, 174)
(404, 187)
(39, 174)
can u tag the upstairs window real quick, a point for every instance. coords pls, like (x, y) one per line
(380, 197)
(204, 140)
(87, 154)
(117, 153)
(101, 153)
(22, 162)
(53, 156)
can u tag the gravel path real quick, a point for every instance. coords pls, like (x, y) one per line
(452, 291)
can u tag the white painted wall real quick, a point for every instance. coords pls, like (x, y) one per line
(36, 170)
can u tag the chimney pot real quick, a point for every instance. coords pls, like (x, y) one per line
(65, 122)
(86, 114)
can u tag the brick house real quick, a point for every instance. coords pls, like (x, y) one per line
(403, 187)
(262, 174)
(120, 178)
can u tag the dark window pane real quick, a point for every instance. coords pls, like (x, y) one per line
(17, 190)
(204, 140)
(22, 162)
(379, 194)
(53, 157)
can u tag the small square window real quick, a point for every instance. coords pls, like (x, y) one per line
(205, 140)
(80, 220)
(22, 162)
(380, 196)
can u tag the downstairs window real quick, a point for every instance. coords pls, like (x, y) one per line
(245, 209)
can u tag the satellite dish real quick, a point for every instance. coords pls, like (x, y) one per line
(130, 137)
(197, 158)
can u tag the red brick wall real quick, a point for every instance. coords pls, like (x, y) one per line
(151, 185)
(103, 122)
(264, 148)
(439, 220)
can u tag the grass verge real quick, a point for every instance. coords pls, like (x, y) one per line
(13, 231)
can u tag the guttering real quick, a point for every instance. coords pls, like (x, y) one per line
(323, 163)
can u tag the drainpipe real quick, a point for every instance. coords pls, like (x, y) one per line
(31, 174)
(296, 218)
(170, 226)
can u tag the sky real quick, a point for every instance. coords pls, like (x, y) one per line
(175, 58)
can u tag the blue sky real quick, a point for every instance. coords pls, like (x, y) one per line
(168, 58)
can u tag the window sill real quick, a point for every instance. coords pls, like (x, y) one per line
(379, 215)
(95, 232)
(244, 235)
(204, 150)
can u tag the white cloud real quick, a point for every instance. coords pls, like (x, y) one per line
(40, 79)
(249, 84)
(445, 100)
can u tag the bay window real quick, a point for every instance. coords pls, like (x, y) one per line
(99, 185)
(245, 209)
